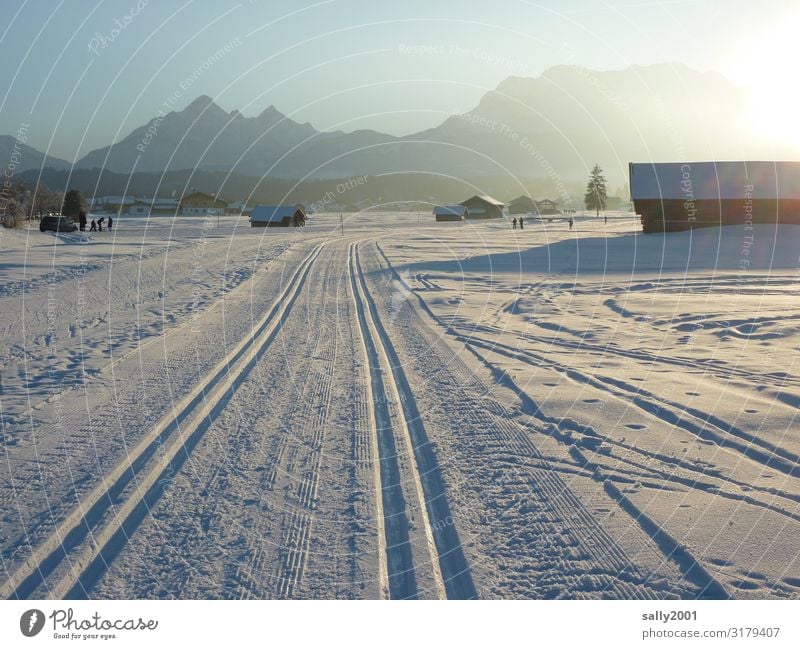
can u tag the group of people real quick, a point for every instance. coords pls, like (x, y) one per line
(95, 225)
(521, 223)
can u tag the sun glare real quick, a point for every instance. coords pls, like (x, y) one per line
(768, 68)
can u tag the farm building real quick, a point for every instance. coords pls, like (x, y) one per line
(546, 207)
(112, 203)
(678, 196)
(238, 207)
(199, 203)
(522, 205)
(271, 216)
(482, 206)
(450, 212)
(145, 206)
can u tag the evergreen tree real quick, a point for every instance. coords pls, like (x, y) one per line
(595, 198)
(73, 203)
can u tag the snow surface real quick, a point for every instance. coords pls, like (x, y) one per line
(194, 408)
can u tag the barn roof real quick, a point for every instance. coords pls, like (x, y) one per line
(486, 199)
(691, 181)
(449, 210)
(269, 213)
(522, 199)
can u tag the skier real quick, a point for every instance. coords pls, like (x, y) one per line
(514, 223)
(93, 226)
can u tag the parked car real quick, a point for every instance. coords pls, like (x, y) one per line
(57, 224)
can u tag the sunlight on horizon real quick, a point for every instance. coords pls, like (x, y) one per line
(767, 68)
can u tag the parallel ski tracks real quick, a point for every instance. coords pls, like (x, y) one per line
(408, 470)
(79, 550)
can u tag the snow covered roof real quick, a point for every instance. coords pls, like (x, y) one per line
(524, 199)
(156, 202)
(693, 181)
(449, 210)
(486, 199)
(118, 200)
(269, 213)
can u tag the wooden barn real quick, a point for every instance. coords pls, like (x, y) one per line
(677, 196)
(277, 216)
(450, 212)
(522, 205)
(482, 206)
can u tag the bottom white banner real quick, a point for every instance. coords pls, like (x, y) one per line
(398, 624)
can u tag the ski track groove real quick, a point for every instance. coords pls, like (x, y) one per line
(557, 506)
(448, 567)
(107, 515)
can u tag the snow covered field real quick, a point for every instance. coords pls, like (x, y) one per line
(406, 409)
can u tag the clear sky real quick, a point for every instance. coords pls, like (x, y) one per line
(79, 81)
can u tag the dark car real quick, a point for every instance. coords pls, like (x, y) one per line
(57, 224)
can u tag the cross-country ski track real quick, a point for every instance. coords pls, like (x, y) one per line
(357, 435)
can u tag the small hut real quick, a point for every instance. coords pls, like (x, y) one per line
(522, 205)
(482, 206)
(277, 216)
(450, 212)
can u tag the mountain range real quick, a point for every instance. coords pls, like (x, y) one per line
(556, 125)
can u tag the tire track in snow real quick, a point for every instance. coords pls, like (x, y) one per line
(81, 547)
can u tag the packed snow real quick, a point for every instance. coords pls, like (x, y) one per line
(194, 408)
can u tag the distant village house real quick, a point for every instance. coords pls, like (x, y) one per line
(546, 207)
(198, 204)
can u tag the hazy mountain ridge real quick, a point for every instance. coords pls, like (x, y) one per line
(21, 157)
(555, 125)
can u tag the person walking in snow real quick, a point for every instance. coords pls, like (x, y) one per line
(93, 226)
(82, 221)
(110, 223)
(100, 223)
(514, 223)
(520, 223)
(570, 223)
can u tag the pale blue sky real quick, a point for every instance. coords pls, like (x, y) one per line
(397, 67)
